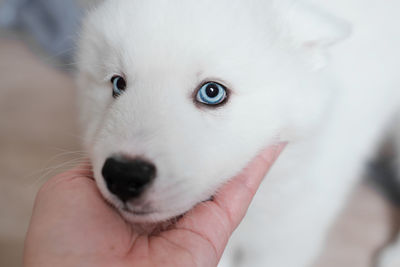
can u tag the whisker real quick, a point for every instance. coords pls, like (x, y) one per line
(46, 172)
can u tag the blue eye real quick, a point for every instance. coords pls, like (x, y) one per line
(119, 85)
(211, 93)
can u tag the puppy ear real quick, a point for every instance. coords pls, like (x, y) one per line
(312, 30)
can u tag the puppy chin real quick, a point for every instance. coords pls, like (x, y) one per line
(152, 222)
(144, 218)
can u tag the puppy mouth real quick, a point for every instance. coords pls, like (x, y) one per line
(148, 215)
(137, 212)
(140, 213)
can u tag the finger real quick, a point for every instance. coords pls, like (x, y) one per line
(81, 171)
(235, 197)
(68, 215)
(216, 220)
(73, 197)
(64, 190)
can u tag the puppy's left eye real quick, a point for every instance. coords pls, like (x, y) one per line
(119, 85)
(212, 94)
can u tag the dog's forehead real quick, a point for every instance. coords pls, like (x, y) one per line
(176, 33)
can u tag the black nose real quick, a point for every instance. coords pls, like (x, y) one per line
(127, 178)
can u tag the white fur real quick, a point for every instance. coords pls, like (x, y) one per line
(290, 81)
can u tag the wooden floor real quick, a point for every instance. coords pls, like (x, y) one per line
(38, 138)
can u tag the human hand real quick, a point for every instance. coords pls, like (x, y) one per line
(72, 225)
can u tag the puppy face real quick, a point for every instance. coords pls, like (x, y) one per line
(177, 96)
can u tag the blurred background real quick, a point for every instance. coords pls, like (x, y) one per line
(39, 135)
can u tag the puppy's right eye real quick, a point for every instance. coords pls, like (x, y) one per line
(119, 85)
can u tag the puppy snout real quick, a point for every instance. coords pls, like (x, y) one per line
(127, 178)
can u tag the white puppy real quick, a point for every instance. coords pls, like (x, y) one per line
(177, 96)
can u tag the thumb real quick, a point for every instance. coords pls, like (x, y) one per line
(217, 219)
